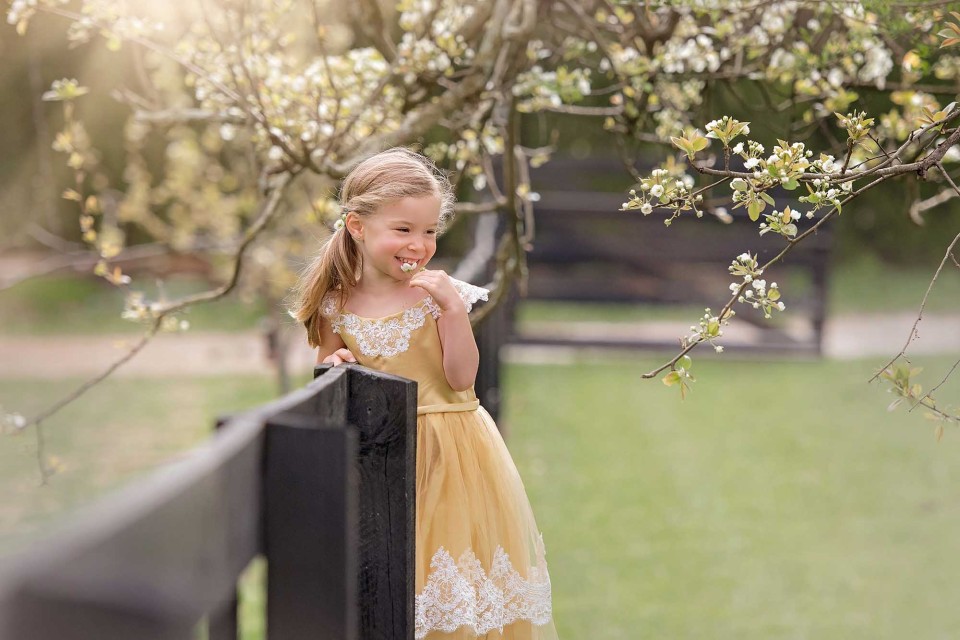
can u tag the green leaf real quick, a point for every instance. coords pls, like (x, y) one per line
(671, 378)
(754, 209)
(791, 184)
(686, 362)
(681, 143)
(767, 198)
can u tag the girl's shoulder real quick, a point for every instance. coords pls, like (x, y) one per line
(332, 304)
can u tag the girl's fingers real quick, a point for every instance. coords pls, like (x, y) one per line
(340, 356)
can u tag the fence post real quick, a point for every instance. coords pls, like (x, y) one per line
(383, 407)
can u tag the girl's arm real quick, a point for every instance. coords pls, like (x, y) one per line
(332, 348)
(461, 358)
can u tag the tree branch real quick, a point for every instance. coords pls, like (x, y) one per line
(923, 304)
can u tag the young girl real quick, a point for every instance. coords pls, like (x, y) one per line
(368, 298)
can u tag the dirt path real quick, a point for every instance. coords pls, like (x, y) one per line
(194, 353)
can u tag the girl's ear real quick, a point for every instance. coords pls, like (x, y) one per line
(354, 224)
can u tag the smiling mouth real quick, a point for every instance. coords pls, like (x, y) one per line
(407, 265)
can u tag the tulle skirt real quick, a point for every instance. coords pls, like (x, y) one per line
(480, 559)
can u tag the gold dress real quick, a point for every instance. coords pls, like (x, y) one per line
(480, 559)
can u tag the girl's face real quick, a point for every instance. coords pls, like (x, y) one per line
(399, 238)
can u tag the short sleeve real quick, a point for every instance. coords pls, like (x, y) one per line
(328, 309)
(469, 293)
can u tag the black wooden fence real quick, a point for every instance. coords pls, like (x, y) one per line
(321, 482)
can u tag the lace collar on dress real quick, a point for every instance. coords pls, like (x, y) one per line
(390, 335)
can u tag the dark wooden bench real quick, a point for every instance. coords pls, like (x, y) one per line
(586, 250)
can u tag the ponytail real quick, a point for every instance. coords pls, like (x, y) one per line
(334, 269)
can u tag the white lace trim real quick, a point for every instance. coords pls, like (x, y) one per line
(390, 336)
(461, 594)
(469, 293)
(386, 337)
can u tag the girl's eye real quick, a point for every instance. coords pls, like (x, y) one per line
(432, 231)
(403, 229)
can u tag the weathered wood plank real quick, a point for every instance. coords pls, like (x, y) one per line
(150, 560)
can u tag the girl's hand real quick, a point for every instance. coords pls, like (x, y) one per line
(339, 357)
(438, 285)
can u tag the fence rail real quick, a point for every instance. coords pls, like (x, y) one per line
(322, 482)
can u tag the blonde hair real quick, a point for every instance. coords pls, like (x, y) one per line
(380, 179)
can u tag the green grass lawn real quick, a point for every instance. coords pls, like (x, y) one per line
(780, 500)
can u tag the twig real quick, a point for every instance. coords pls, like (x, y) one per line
(929, 394)
(184, 116)
(923, 304)
(919, 206)
(479, 207)
(89, 384)
(578, 110)
(790, 245)
(266, 214)
(87, 259)
(52, 240)
(42, 454)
